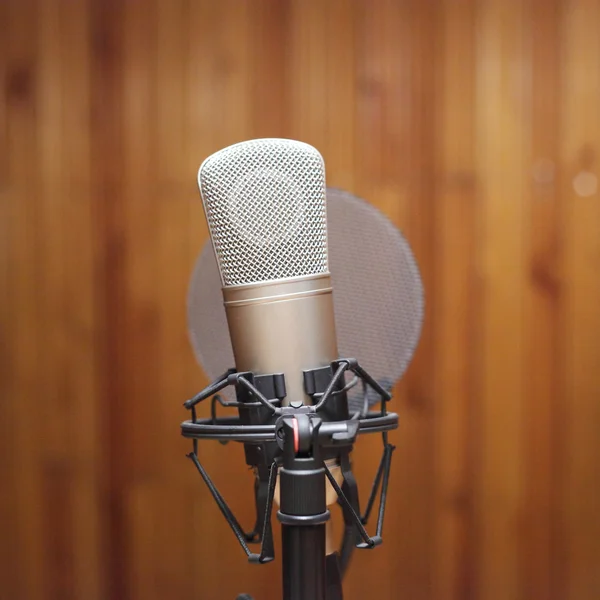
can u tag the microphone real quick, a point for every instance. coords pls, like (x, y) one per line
(265, 206)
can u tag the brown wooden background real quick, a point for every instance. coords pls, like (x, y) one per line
(474, 125)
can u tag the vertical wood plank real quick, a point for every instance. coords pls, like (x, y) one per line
(108, 243)
(502, 156)
(141, 150)
(456, 306)
(4, 77)
(384, 109)
(8, 384)
(307, 73)
(581, 347)
(27, 562)
(542, 568)
(269, 76)
(178, 190)
(339, 93)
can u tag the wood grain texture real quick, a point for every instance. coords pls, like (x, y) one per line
(472, 124)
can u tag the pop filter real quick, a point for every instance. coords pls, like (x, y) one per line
(378, 299)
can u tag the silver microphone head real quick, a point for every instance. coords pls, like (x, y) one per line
(265, 206)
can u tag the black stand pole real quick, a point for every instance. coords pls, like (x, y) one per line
(303, 562)
(303, 511)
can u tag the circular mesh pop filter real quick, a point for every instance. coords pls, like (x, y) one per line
(377, 291)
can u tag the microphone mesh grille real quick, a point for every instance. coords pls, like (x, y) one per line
(265, 207)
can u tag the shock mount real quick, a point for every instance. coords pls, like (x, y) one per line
(298, 443)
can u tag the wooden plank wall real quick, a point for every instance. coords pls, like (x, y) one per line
(474, 125)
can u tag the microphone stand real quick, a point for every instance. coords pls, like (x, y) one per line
(303, 511)
(308, 574)
(297, 442)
